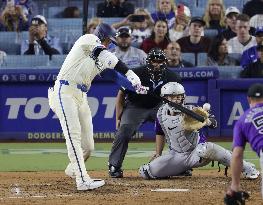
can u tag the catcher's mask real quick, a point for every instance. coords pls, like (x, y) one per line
(156, 62)
(174, 92)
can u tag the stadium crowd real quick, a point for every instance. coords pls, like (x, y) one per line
(212, 32)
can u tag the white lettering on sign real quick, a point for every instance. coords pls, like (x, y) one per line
(235, 114)
(38, 108)
(110, 106)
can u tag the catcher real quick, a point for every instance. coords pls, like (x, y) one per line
(186, 150)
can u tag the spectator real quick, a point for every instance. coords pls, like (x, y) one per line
(256, 21)
(159, 37)
(253, 7)
(131, 56)
(254, 70)
(173, 53)
(141, 24)
(165, 9)
(92, 24)
(141, 29)
(114, 8)
(243, 40)
(71, 12)
(231, 21)
(251, 55)
(39, 42)
(13, 17)
(215, 15)
(180, 28)
(195, 43)
(29, 7)
(218, 54)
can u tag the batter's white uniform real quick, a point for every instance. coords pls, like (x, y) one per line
(68, 99)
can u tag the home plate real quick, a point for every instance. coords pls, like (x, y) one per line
(169, 190)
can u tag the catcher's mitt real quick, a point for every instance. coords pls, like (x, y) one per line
(191, 124)
(236, 198)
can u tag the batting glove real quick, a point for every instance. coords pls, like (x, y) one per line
(136, 82)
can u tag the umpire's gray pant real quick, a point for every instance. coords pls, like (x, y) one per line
(131, 120)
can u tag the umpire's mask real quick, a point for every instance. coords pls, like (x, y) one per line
(156, 63)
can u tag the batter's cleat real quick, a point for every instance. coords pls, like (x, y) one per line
(90, 184)
(251, 172)
(69, 171)
(115, 172)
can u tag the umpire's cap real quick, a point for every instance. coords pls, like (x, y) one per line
(104, 31)
(255, 90)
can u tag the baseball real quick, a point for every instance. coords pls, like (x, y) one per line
(207, 106)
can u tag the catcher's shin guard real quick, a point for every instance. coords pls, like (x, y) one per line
(214, 152)
(145, 173)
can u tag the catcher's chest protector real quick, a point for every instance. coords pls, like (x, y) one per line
(172, 127)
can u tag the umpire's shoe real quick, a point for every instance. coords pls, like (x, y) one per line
(115, 172)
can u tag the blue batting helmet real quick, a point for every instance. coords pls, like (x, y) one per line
(104, 31)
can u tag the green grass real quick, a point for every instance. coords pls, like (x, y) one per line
(53, 156)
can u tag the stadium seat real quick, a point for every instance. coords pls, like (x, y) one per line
(6, 36)
(64, 24)
(112, 20)
(236, 3)
(236, 56)
(210, 33)
(227, 72)
(201, 3)
(57, 60)
(201, 59)
(198, 11)
(26, 61)
(191, 4)
(10, 48)
(55, 11)
(190, 57)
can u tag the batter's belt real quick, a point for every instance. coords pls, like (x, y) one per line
(82, 87)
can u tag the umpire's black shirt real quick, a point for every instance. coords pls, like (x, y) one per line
(149, 101)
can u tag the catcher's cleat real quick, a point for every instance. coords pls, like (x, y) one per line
(251, 172)
(115, 172)
(69, 171)
(90, 184)
(187, 173)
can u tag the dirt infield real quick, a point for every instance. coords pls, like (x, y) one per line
(205, 187)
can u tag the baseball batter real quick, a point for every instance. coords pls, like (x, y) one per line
(185, 151)
(68, 99)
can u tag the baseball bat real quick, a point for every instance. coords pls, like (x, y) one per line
(112, 75)
(183, 109)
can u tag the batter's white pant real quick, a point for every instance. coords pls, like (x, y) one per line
(71, 106)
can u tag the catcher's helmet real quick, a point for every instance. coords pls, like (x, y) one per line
(176, 90)
(172, 88)
(156, 55)
(104, 31)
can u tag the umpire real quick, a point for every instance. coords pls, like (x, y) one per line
(132, 109)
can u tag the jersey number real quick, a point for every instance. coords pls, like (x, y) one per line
(258, 123)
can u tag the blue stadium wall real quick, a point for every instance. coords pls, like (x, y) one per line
(25, 114)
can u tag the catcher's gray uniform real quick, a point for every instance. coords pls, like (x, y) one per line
(184, 151)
